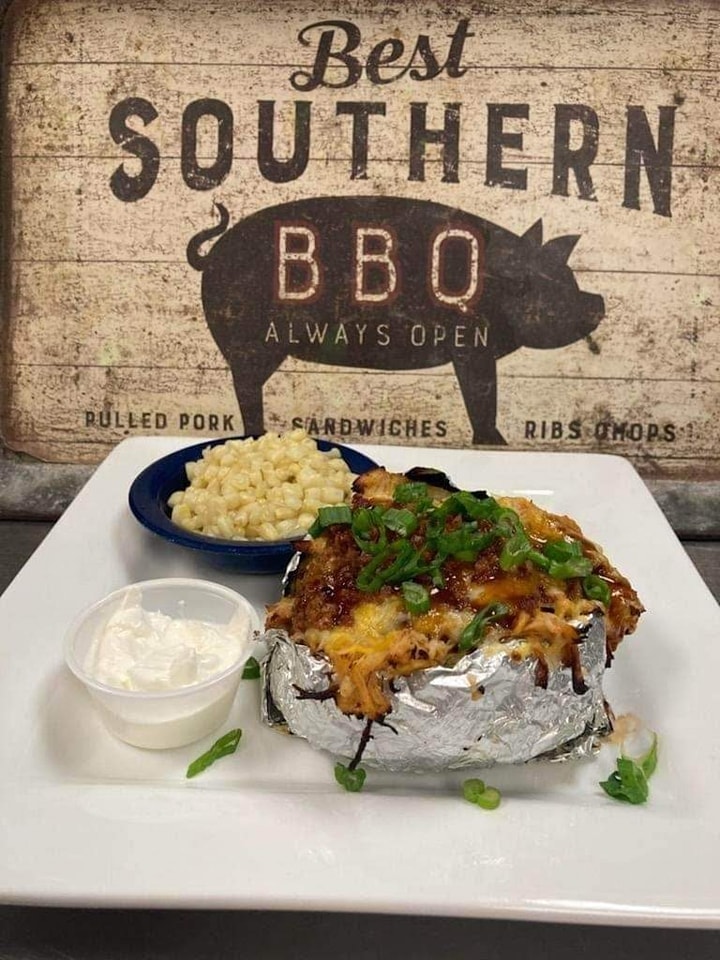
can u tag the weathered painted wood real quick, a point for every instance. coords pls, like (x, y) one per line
(76, 99)
(104, 332)
(544, 32)
(417, 409)
(64, 211)
(687, 345)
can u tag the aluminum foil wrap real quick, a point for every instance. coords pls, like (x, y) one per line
(486, 709)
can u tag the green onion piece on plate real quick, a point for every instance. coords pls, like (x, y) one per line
(223, 747)
(251, 670)
(648, 761)
(352, 780)
(476, 792)
(629, 782)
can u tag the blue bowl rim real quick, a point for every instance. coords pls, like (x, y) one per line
(149, 491)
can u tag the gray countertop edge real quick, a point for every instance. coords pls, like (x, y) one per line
(31, 490)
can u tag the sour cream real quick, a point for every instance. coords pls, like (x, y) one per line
(138, 649)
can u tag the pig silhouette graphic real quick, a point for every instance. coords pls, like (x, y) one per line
(385, 283)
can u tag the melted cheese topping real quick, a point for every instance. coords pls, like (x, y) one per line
(374, 628)
(382, 640)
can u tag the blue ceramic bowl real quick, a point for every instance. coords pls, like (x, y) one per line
(151, 489)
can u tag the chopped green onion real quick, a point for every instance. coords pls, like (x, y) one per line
(251, 671)
(630, 781)
(435, 571)
(368, 579)
(473, 631)
(473, 507)
(648, 762)
(408, 565)
(561, 550)
(352, 780)
(595, 588)
(223, 747)
(565, 558)
(404, 557)
(476, 792)
(515, 551)
(456, 541)
(403, 522)
(508, 523)
(328, 516)
(450, 507)
(366, 521)
(539, 559)
(416, 597)
(410, 492)
(465, 556)
(627, 783)
(489, 799)
(466, 543)
(383, 533)
(574, 567)
(473, 788)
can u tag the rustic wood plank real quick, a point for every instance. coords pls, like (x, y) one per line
(63, 210)
(57, 306)
(176, 30)
(104, 313)
(75, 101)
(106, 404)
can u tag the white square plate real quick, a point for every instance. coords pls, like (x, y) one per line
(87, 820)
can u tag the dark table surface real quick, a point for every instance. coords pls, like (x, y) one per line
(45, 933)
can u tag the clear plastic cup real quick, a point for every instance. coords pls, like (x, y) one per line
(160, 719)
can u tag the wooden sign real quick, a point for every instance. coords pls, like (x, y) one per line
(448, 225)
